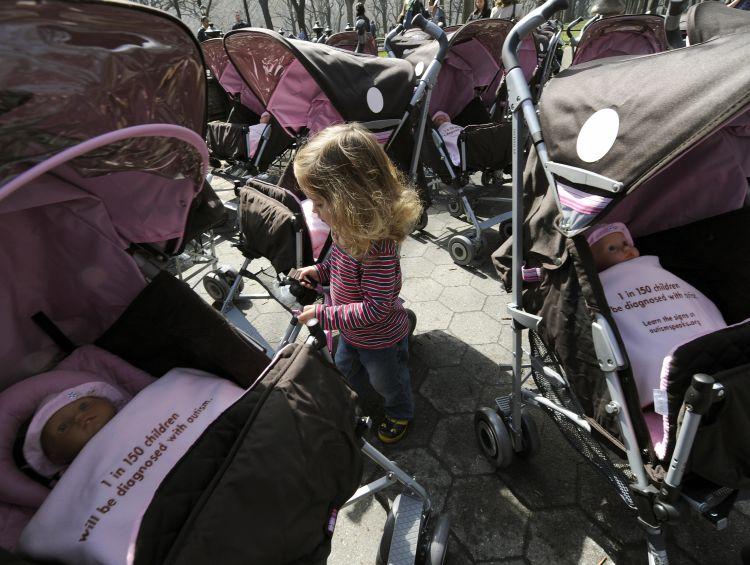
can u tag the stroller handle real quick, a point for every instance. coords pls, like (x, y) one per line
(434, 31)
(387, 41)
(672, 23)
(569, 30)
(529, 23)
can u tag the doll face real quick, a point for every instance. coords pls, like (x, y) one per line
(612, 249)
(265, 118)
(73, 425)
(440, 120)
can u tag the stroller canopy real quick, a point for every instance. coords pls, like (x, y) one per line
(629, 119)
(101, 124)
(348, 40)
(622, 35)
(712, 19)
(227, 76)
(473, 64)
(310, 85)
(72, 71)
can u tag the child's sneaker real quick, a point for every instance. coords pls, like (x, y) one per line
(392, 430)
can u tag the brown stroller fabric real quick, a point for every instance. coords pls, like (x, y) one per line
(269, 219)
(263, 481)
(721, 452)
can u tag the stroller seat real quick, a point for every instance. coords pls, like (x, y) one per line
(720, 454)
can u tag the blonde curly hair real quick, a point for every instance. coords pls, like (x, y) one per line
(368, 199)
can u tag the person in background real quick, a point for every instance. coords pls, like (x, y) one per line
(360, 15)
(202, 31)
(437, 14)
(506, 10)
(239, 22)
(481, 10)
(318, 31)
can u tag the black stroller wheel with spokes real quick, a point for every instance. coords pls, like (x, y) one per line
(455, 208)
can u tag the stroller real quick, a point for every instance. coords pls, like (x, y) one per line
(229, 139)
(92, 186)
(470, 88)
(350, 40)
(619, 35)
(708, 20)
(590, 166)
(312, 86)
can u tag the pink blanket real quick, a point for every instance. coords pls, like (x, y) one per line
(93, 514)
(654, 311)
(450, 132)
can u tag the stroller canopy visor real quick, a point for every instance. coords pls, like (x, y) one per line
(227, 76)
(622, 35)
(473, 64)
(628, 118)
(72, 71)
(298, 77)
(712, 19)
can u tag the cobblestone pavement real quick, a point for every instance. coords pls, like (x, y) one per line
(551, 509)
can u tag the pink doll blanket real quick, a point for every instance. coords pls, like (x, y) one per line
(93, 514)
(20, 496)
(450, 132)
(253, 137)
(655, 311)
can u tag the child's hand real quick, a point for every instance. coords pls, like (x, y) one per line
(308, 313)
(308, 276)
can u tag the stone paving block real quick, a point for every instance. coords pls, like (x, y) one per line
(438, 349)
(438, 255)
(487, 519)
(271, 326)
(420, 290)
(456, 443)
(474, 328)
(416, 267)
(695, 535)
(601, 503)
(451, 389)
(488, 285)
(359, 529)
(549, 478)
(413, 247)
(452, 275)
(485, 360)
(429, 473)
(462, 299)
(565, 536)
(496, 307)
(431, 316)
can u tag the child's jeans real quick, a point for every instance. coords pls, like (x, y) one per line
(388, 371)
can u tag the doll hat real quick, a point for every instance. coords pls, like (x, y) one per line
(32, 445)
(601, 230)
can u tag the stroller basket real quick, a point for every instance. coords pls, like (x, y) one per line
(582, 441)
(487, 145)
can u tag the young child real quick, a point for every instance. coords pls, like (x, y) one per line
(357, 191)
(65, 422)
(449, 132)
(254, 133)
(654, 310)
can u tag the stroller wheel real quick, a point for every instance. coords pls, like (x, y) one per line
(530, 435)
(505, 229)
(437, 548)
(493, 438)
(461, 249)
(412, 321)
(422, 222)
(455, 208)
(216, 287)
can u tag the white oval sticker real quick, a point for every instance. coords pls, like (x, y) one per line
(598, 135)
(374, 100)
(419, 68)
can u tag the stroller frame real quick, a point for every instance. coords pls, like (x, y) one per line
(506, 429)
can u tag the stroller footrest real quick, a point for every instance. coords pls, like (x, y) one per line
(408, 515)
(503, 404)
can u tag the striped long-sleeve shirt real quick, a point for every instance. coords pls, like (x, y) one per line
(366, 308)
